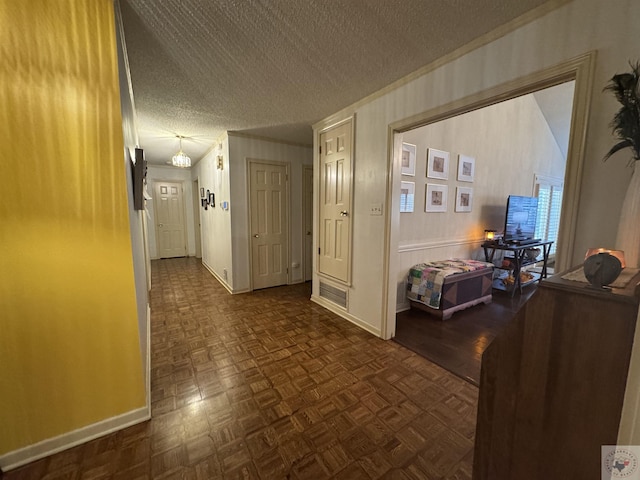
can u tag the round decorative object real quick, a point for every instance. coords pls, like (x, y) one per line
(532, 254)
(601, 269)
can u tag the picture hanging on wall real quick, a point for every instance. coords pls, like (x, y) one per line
(436, 198)
(464, 199)
(408, 159)
(437, 164)
(466, 168)
(407, 193)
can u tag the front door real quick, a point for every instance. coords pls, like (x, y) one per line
(269, 224)
(335, 202)
(170, 220)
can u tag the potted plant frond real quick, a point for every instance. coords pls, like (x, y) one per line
(626, 127)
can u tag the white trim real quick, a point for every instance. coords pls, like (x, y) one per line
(415, 247)
(42, 449)
(148, 372)
(346, 315)
(222, 282)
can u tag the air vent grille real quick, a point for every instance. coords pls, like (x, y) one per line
(333, 294)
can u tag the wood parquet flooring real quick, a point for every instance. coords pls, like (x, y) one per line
(269, 385)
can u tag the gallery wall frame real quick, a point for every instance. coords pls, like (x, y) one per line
(408, 159)
(466, 168)
(464, 199)
(407, 196)
(437, 164)
(436, 197)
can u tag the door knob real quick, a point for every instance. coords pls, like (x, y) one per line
(344, 213)
(257, 236)
(161, 224)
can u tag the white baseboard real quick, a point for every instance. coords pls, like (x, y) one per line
(346, 315)
(42, 449)
(223, 282)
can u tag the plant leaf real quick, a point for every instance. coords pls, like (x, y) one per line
(616, 148)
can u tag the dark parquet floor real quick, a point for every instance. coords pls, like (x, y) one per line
(269, 385)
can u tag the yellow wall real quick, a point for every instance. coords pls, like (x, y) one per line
(69, 349)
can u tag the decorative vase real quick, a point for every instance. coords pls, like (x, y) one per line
(601, 269)
(628, 238)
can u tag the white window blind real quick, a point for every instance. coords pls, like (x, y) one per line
(549, 193)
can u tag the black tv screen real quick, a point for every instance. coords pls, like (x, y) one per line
(520, 220)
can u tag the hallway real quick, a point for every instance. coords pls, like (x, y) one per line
(269, 385)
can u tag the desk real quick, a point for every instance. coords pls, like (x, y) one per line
(519, 259)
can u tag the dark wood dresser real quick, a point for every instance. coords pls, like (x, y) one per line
(552, 383)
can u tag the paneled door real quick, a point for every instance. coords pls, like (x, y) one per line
(169, 208)
(307, 193)
(269, 224)
(335, 202)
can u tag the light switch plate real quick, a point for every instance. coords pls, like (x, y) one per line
(375, 209)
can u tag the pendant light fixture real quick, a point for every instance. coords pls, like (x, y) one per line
(180, 159)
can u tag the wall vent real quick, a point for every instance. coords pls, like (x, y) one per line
(333, 294)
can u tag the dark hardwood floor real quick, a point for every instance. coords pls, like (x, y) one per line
(457, 344)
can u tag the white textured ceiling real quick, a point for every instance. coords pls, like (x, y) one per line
(272, 68)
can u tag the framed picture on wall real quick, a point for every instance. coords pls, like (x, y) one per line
(407, 193)
(466, 168)
(436, 198)
(408, 160)
(437, 164)
(464, 199)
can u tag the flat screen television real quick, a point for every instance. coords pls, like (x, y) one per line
(520, 219)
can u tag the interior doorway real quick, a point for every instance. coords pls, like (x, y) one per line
(269, 223)
(307, 192)
(170, 224)
(540, 120)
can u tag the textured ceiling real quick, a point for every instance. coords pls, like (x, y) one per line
(274, 67)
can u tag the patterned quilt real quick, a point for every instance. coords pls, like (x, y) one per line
(425, 280)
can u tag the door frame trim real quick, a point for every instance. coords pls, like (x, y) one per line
(287, 165)
(581, 69)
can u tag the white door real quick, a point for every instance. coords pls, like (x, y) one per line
(307, 191)
(269, 224)
(170, 220)
(335, 202)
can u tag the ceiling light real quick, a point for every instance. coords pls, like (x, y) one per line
(180, 159)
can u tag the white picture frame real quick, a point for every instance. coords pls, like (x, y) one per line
(437, 164)
(408, 159)
(436, 197)
(407, 196)
(466, 168)
(464, 199)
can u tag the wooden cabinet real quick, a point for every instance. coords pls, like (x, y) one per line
(552, 384)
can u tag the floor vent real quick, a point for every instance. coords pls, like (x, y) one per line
(333, 294)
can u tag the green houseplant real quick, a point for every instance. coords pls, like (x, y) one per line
(626, 127)
(626, 123)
